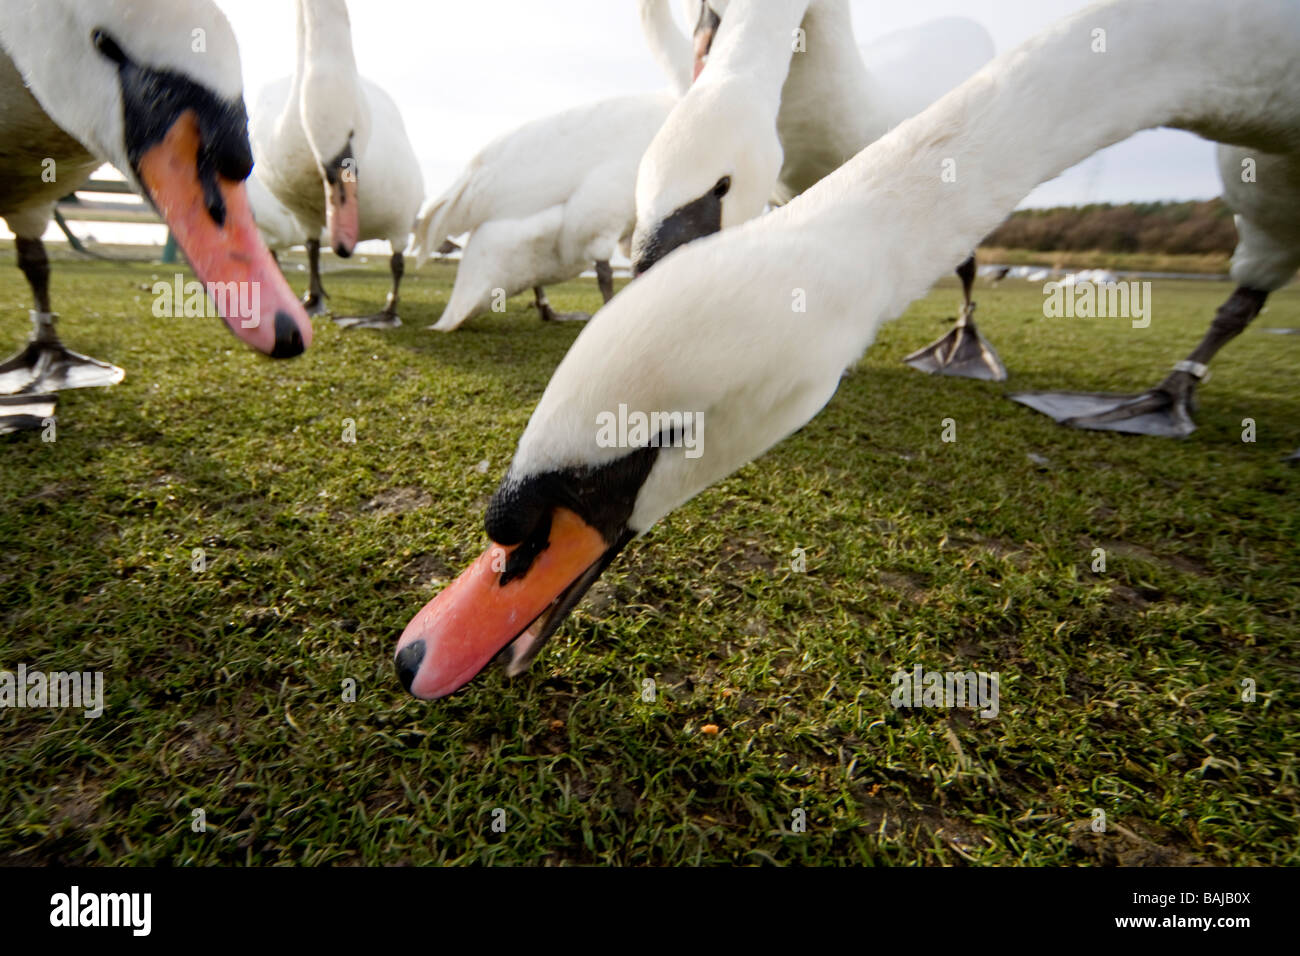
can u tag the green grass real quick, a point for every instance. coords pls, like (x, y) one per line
(1120, 691)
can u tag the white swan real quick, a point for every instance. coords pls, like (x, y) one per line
(331, 146)
(787, 97)
(542, 203)
(711, 329)
(668, 45)
(154, 88)
(280, 229)
(545, 201)
(764, 122)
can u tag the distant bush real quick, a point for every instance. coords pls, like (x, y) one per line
(1183, 228)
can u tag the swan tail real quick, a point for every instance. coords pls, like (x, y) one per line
(440, 220)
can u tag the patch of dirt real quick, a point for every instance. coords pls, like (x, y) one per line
(426, 569)
(602, 596)
(395, 501)
(998, 547)
(1121, 595)
(1125, 549)
(1120, 846)
(911, 586)
(77, 806)
(745, 557)
(891, 818)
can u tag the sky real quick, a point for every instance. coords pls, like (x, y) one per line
(464, 71)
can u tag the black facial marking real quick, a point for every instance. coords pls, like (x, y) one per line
(334, 168)
(152, 101)
(699, 217)
(604, 496)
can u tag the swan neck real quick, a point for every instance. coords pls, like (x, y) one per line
(668, 44)
(757, 40)
(324, 39)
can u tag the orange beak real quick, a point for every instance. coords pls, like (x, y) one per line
(343, 217)
(253, 297)
(476, 617)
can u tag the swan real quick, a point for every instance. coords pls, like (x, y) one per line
(331, 146)
(786, 98)
(712, 329)
(545, 201)
(541, 204)
(153, 87)
(668, 45)
(279, 228)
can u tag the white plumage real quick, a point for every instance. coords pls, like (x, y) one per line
(303, 124)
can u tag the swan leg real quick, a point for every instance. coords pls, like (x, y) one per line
(388, 318)
(314, 300)
(1165, 410)
(548, 314)
(605, 279)
(963, 352)
(45, 365)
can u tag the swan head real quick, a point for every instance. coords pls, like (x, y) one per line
(712, 165)
(707, 21)
(688, 373)
(154, 88)
(334, 118)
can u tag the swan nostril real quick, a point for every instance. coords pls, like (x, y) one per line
(408, 661)
(288, 340)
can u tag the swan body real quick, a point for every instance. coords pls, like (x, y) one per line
(711, 329)
(332, 148)
(280, 229)
(542, 203)
(29, 138)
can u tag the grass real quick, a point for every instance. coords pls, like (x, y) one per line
(1120, 690)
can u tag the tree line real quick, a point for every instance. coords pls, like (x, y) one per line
(1174, 228)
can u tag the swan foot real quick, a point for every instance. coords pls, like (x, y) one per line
(380, 320)
(315, 304)
(1165, 411)
(962, 353)
(550, 315)
(25, 412)
(46, 365)
(566, 317)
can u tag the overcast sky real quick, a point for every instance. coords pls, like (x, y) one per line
(464, 71)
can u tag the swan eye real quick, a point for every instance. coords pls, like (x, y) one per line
(107, 46)
(722, 187)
